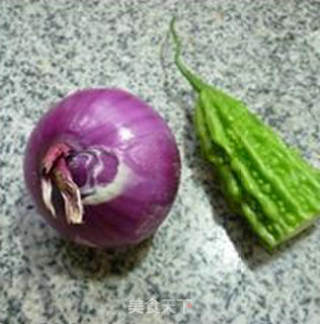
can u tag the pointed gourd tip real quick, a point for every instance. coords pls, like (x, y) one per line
(196, 82)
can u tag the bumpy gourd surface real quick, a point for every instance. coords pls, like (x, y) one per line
(263, 179)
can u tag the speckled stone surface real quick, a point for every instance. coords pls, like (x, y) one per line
(265, 52)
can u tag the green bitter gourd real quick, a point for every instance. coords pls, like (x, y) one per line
(263, 179)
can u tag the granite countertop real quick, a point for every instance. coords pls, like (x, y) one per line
(203, 261)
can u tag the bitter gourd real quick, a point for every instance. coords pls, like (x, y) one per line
(263, 179)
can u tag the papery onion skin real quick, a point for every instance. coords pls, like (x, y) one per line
(117, 143)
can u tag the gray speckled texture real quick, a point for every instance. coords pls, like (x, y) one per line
(265, 52)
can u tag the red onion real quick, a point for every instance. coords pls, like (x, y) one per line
(103, 168)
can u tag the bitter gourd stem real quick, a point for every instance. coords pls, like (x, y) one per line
(196, 82)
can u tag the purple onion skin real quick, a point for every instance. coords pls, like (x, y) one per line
(107, 130)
